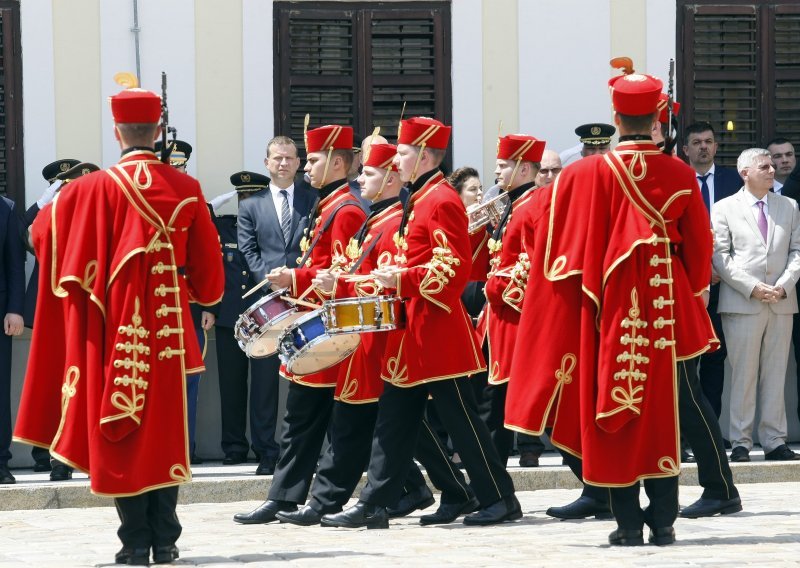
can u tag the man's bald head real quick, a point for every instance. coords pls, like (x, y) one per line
(551, 167)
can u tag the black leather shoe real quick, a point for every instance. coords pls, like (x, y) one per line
(234, 458)
(740, 454)
(419, 498)
(626, 537)
(60, 472)
(42, 466)
(165, 554)
(709, 507)
(133, 556)
(528, 459)
(782, 453)
(449, 512)
(194, 459)
(305, 516)
(5, 476)
(661, 536)
(359, 515)
(506, 509)
(264, 513)
(581, 508)
(265, 467)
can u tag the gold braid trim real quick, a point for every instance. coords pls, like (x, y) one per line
(440, 270)
(518, 282)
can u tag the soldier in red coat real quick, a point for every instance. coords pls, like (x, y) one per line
(518, 157)
(619, 251)
(122, 252)
(437, 348)
(338, 216)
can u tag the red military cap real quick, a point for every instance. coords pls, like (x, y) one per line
(520, 147)
(380, 155)
(664, 111)
(423, 131)
(135, 105)
(329, 137)
(635, 94)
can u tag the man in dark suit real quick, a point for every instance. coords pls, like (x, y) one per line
(262, 242)
(12, 292)
(232, 362)
(787, 183)
(716, 183)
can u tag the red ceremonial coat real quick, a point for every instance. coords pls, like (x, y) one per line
(619, 250)
(328, 252)
(435, 258)
(360, 378)
(122, 252)
(505, 289)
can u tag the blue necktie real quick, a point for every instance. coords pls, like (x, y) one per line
(704, 191)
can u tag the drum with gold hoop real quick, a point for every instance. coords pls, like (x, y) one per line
(257, 330)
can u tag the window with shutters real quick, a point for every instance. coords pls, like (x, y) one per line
(739, 69)
(11, 165)
(357, 63)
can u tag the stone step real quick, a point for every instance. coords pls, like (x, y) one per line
(214, 483)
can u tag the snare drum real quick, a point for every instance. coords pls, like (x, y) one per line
(307, 347)
(257, 330)
(360, 315)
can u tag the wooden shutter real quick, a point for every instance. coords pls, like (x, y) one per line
(739, 69)
(356, 63)
(11, 163)
(786, 57)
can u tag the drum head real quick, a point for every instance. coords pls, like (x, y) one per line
(265, 343)
(322, 353)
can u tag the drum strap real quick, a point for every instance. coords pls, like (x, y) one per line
(324, 228)
(365, 254)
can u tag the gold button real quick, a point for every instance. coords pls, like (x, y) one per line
(244, 273)
(244, 287)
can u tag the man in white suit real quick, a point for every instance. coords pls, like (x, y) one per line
(757, 256)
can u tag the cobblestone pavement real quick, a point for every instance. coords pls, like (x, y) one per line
(765, 534)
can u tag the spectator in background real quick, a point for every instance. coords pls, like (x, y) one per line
(467, 183)
(757, 255)
(787, 183)
(783, 160)
(716, 183)
(551, 167)
(12, 284)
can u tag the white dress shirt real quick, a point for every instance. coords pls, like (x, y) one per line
(709, 183)
(753, 201)
(277, 198)
(777, 187)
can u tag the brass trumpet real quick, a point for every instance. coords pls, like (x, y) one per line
(485, 213)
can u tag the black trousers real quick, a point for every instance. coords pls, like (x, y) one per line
(308, 412)
(575, 464)
(712, 365)
(149, 519)
(796, 344)
(442, 472)
(5, 398)
(347, 457)
(400, 414)
(661, 512)
(528, 443)
(233, 366)
(700, 428)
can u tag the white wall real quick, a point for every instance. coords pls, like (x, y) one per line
(467, 76)
(166, 43)
(38, 108)
(259, 115)
(564, 51)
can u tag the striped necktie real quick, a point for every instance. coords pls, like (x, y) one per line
(286, 217)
